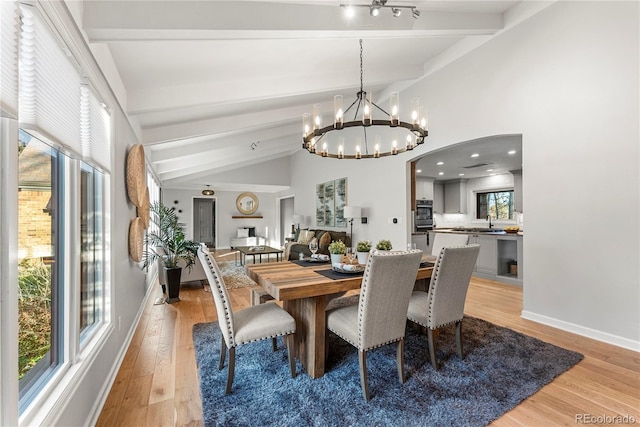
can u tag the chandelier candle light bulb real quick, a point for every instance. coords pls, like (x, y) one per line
(338, 113)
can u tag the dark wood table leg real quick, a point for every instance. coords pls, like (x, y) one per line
(309, 341)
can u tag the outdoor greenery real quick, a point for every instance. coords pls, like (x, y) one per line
(34, 313)
(168, 241)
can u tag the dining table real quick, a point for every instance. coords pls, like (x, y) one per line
(304, 288)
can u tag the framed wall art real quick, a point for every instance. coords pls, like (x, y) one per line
(331, 198)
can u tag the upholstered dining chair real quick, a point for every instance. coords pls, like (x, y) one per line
(244, 326)
(443, 240)
(380, 317)
(443, 303)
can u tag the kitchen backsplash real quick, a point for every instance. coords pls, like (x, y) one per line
(467, 220)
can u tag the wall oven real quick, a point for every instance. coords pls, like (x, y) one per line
(423, 219)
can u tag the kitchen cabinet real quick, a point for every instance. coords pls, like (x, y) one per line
(486, 265)
(438, 198)
(420, 240)
(424, 188)
(455, 196)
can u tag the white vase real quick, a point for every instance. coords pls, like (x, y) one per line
(336, 258)
(362, 257)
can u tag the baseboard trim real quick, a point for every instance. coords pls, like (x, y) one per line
(583, 331)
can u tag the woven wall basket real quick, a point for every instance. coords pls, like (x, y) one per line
(143, 209)
(136, 237)
(136, 174)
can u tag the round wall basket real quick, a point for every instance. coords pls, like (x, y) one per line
(143, 209)
(136, 237)
(136, 174)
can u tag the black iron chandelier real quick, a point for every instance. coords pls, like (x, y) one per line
(393, 136)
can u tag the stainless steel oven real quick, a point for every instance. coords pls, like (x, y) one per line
(424, 215)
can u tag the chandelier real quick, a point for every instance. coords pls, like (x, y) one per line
(208, 191)
(392, 136)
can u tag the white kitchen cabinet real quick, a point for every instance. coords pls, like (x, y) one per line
(455, 196)
(486, 265)
(420, 240)
(438, 198)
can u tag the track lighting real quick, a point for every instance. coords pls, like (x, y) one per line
(376, 5)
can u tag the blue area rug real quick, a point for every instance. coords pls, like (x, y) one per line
(500, 369)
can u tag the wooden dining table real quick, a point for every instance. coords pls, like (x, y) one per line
(304, 293)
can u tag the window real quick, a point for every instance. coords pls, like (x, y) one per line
(40, 272)
(64, 160)
(91, 260)
(498, 204)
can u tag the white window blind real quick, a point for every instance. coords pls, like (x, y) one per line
(9, 29)
(95, 130)
(49, 91)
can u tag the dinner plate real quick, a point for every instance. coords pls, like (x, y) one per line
(359, 269)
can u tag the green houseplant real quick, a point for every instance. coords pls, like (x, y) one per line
(384, 245)
(337, 249)
(362, 251)
(168, 243)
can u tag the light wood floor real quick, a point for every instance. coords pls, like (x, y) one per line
(157, 384)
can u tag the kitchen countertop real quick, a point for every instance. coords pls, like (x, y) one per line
(474, 230)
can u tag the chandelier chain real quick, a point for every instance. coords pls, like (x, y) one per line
(361, 73)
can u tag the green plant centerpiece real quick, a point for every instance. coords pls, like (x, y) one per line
(337, 248)
(169, 244)
(362, 251)
(384, 245)
(363, 246)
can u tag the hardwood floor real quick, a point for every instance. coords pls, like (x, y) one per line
(157, 384)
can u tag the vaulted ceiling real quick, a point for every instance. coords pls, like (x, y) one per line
(213, 86)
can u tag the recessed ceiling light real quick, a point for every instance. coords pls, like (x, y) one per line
(460, 174)
(475, 155)
(512, 152)
(440, 163)
(441, 173)
(419, 170)
(489, 170)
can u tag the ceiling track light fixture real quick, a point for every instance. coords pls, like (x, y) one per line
(208, 191)
(377, 5)
(313, 133)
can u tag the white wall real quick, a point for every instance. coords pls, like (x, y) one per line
(379, 186)
(567, 80)
(226, 226)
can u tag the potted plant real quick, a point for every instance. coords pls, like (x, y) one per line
(168, 243)
(362, 250)
(384, 245)
(337, 249)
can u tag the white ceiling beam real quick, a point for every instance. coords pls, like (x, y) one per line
(172, 150)
(119, 21)
(227, 162)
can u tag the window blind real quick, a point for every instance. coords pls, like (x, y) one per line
(95, 130)
(49, 85)
(9, 29)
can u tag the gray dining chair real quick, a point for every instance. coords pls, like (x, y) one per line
(443, 303)
(380, 317)
(254, 323)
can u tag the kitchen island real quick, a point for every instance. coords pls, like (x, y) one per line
(500, 256)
